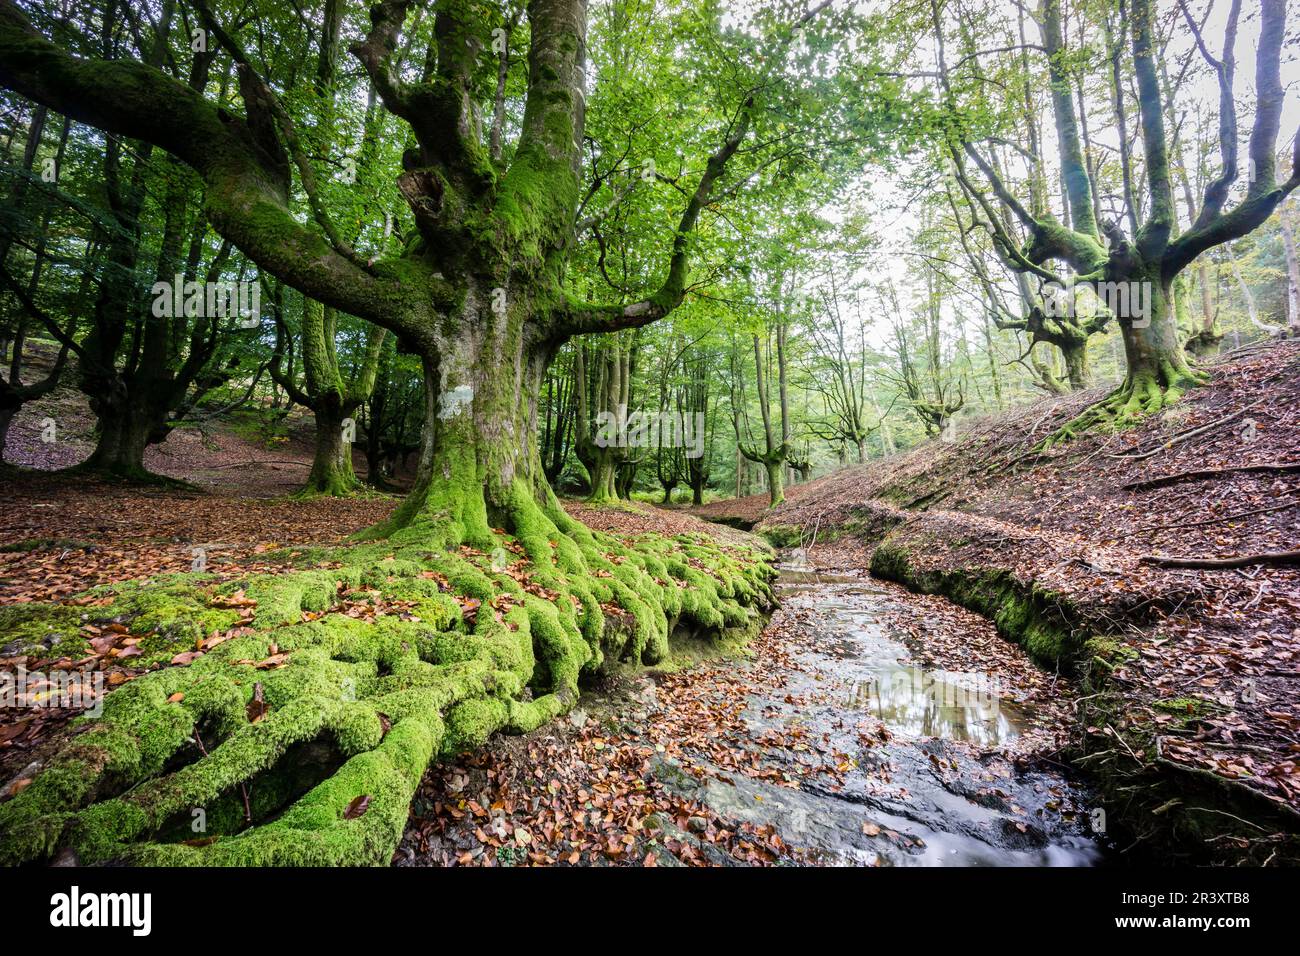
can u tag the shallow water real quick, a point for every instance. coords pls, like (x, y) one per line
(936, 789)
(907, 699)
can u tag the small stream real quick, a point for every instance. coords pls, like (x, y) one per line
(933, 773)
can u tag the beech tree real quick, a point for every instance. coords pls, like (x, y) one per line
(332, 395)
(479, 291)
(1145, 248)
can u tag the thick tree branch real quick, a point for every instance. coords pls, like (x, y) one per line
(1264, 193)
(583, 319)
(246, 196)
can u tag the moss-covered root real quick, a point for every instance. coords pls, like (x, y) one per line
(1142, 393)
(301, 741)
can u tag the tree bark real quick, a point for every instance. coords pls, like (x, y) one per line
(331, 468)
(123, 434)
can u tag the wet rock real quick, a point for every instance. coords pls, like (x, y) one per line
(670, 773)
(1020, 835)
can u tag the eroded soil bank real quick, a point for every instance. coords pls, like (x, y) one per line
(866, 726)
(1189, 685)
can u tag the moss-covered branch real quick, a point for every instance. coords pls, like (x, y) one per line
(247, 181)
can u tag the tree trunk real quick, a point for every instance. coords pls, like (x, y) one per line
(331, 468)
(604, 483)
(1158, 372)
(1076, 365)
(123, 436)
(480, 466)
(775, 481)
(6, 419)
(1286, 214)
(697, 491)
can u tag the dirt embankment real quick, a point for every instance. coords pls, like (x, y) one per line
(1192, 722)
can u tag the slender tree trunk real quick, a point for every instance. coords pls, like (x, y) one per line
(1287, 216)
(1248, 297)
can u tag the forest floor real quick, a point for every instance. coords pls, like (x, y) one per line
(63, 533)
(724, 761)
(792, 752)
(1206, 661)
(263, 456)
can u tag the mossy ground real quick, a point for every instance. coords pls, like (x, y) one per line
(1139, 396)
(253, 753)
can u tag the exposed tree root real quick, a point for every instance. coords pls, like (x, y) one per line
(1240, 561)
(356, 707)
(1142, 394)
(1162, 480)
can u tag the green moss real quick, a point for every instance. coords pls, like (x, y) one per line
(1041, 621)
(354, 708)
(1191, 707)
(39, 625)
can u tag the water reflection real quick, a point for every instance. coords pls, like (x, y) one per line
(909, 700)
(922, 704)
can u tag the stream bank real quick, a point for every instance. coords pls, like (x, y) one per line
(864, 726)
(1149, 565)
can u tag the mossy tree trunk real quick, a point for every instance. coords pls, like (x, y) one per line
(1153, 254)
(332, 399)
(1076, 365)
(331, 467)
(1156, 367)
